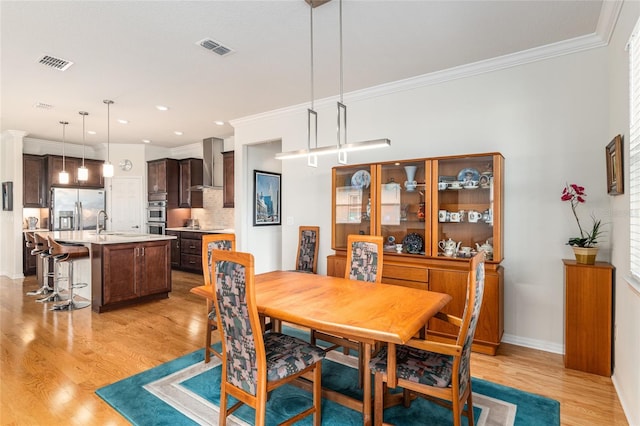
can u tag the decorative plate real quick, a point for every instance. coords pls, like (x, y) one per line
(361, 179)
(468, 174)
(413, 243)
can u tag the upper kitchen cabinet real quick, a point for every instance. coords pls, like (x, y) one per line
(95, 173)
(190, 176)
(163, 180)
(34, 181)
(56, 164)
(71, 164)
(228, 193)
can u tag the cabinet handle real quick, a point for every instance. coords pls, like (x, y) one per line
(142, 248)
(192, 262)
(192, 247)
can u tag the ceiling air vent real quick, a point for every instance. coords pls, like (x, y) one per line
(214, 46)
(42, 105)
(56, 63)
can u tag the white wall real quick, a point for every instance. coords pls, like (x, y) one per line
(548, 119)
(627, 301)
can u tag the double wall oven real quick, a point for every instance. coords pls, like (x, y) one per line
(156, 217)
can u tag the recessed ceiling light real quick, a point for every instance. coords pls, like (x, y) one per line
(123, 121)
(219, 123)
(91, 132)
(162, 108)
(177, 132)
(146, 140)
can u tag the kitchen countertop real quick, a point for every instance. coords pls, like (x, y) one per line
(204, 231)
(105, 237)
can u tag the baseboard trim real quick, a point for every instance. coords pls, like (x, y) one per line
(542, 345)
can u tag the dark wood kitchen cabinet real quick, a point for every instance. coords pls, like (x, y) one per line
(228, 193)
(29, 265)
(34, 189)
(175, 249)
(163, 180)
(190, 175)
(55, 166)
(94, 167)
(127, 273)
(191, 251)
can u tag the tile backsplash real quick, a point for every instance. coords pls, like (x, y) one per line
(213, 215)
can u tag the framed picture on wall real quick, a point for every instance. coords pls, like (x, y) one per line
(615, 181)
(266, 198)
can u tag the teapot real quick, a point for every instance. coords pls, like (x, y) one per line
(488, 248)
(449, 245)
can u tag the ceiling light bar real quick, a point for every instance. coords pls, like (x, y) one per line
(334, 149)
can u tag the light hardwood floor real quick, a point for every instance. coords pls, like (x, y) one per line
(52, 362)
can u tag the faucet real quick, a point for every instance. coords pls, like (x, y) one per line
(98, 220)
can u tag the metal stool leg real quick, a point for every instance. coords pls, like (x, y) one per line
(55, 296)
(71, 304)
(45, 288)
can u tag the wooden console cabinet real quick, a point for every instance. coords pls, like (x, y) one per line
(422, 203)
(123, 274)
(588, 326)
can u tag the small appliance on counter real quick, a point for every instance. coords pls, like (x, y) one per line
(192, 224)
(32, 222)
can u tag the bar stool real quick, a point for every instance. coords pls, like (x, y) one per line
(38, 249)
(64, 253)
(47, 256)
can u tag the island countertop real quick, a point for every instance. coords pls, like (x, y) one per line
(204, 231)
(105, 237)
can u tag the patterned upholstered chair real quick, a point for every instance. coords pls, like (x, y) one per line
(253, 363)
(432, 369)
(364, 263)
(212, 242)
(308, 243)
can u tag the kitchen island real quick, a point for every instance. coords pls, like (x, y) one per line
(122, 268)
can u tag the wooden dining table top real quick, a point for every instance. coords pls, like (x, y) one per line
(367, 312)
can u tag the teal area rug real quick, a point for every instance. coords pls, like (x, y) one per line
(186, 391)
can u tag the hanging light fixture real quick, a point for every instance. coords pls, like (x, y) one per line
(107, 167)
(83, 172)
(63, 176)
(342, 146)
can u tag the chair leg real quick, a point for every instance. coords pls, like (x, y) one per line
(317, 394)
(207, 344)
(378, 402)
(457, 414)
(223, 405)
(470, 407)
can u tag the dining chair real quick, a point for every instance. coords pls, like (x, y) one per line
(255, 363)
(308, 243)
(212, 242)
(437, 371)
(364, 263)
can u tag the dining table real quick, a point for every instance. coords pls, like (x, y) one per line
(368, 313)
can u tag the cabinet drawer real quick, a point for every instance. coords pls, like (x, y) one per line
(191, 261)
(405, 273)
(189, 246)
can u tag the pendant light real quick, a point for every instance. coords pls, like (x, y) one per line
(107, 167)
(83, 172)
(342, 146)
(63, 176)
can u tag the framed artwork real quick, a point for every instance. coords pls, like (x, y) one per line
(7, 196)
(266, 198)
(615, 181)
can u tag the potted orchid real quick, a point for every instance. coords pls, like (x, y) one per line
(585, 246)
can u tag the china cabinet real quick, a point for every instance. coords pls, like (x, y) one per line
(434, 214)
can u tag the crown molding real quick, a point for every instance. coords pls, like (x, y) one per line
(600, 38)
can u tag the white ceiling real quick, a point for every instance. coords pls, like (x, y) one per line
(143, 53)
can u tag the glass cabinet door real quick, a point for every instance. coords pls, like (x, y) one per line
(466, 213)
(402, 191)
(353, 197)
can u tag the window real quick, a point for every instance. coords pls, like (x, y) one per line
(634, 153)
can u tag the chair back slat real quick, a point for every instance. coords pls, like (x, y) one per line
(364, 258)
(307, 258)
(235, 302)
(475, 293)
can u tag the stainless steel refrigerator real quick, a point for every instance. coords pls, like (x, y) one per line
(75, 208)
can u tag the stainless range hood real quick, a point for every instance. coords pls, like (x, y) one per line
(211, 164)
